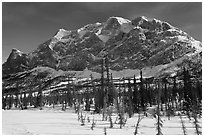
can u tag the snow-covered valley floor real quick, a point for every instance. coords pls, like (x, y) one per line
(56, 122)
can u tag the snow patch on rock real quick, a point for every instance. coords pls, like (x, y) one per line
(122, 20)
(98, 23)
(197, 45)
(156, 20)
(61, 33)
(16, 51)
(126, 25)
(182, 38)
(81, 32)
(142, 18)
(102, 37)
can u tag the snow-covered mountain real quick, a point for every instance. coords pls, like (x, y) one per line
(152, 45)
(16, 62)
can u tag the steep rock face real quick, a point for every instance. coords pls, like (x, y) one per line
(134, 44)
(150, 43)
(43, 56)
(75, 55)
(16, 62)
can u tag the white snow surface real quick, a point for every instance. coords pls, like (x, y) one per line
(98, 23)
(58, 37)
(173, 30)
(197, 45)
(122, 20)
(194, 43)
(81, 32)
(182, 38)
(126, 25)
(16, 53)
(61, 33)
(156, 20)
(51, 121)
(144, 18)
(104, 38)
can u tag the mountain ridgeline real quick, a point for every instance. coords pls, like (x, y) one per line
(141, 43)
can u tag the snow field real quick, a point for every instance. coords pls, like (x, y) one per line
(51, 121)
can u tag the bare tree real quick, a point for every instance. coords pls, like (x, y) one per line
(159, 122)
(183, 125)
(137, 125)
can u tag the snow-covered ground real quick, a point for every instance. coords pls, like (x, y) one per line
(56, 122)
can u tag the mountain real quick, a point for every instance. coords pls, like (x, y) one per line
(154, 46)
(16, 62)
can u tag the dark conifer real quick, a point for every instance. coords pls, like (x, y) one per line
(135, 96)
(142, 92)
(183, 125)
(137, 124)
(159, 122)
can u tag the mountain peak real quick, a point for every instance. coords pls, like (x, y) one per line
(61, 33)
(136, 21)
(144, 18)
(15, 53)
(129, 44)
(121, 20)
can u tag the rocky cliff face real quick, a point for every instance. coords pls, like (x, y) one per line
(16, 62)
(136, 44)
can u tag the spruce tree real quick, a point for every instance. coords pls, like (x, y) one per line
(102, 89)
(183, 125)
(142, 92)
(196, 123)
(187, 91)
(135, 96)
(159, 122)
(93, 124)
(137, 124)
(195, 111)
(87, 106)
(16, 94)
(105, 132)
(24, 100)
(30, 96)
(4, 102)
(129, 103)
(174, 94)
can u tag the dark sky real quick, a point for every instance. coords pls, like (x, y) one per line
(26, 25)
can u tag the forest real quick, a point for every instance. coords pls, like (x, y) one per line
(170, 96)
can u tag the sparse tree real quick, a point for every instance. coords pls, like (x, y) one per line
(130, 105)
(82, 119)
(196, 123)
(142, 92)
(159, 122)
(104, 129)
(137, 125)
(93, 124)
(135, 96)
(183, 125)
(187, 91)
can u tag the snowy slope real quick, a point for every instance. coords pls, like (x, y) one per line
(62, 33)
(154, 46)
(51, 121)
